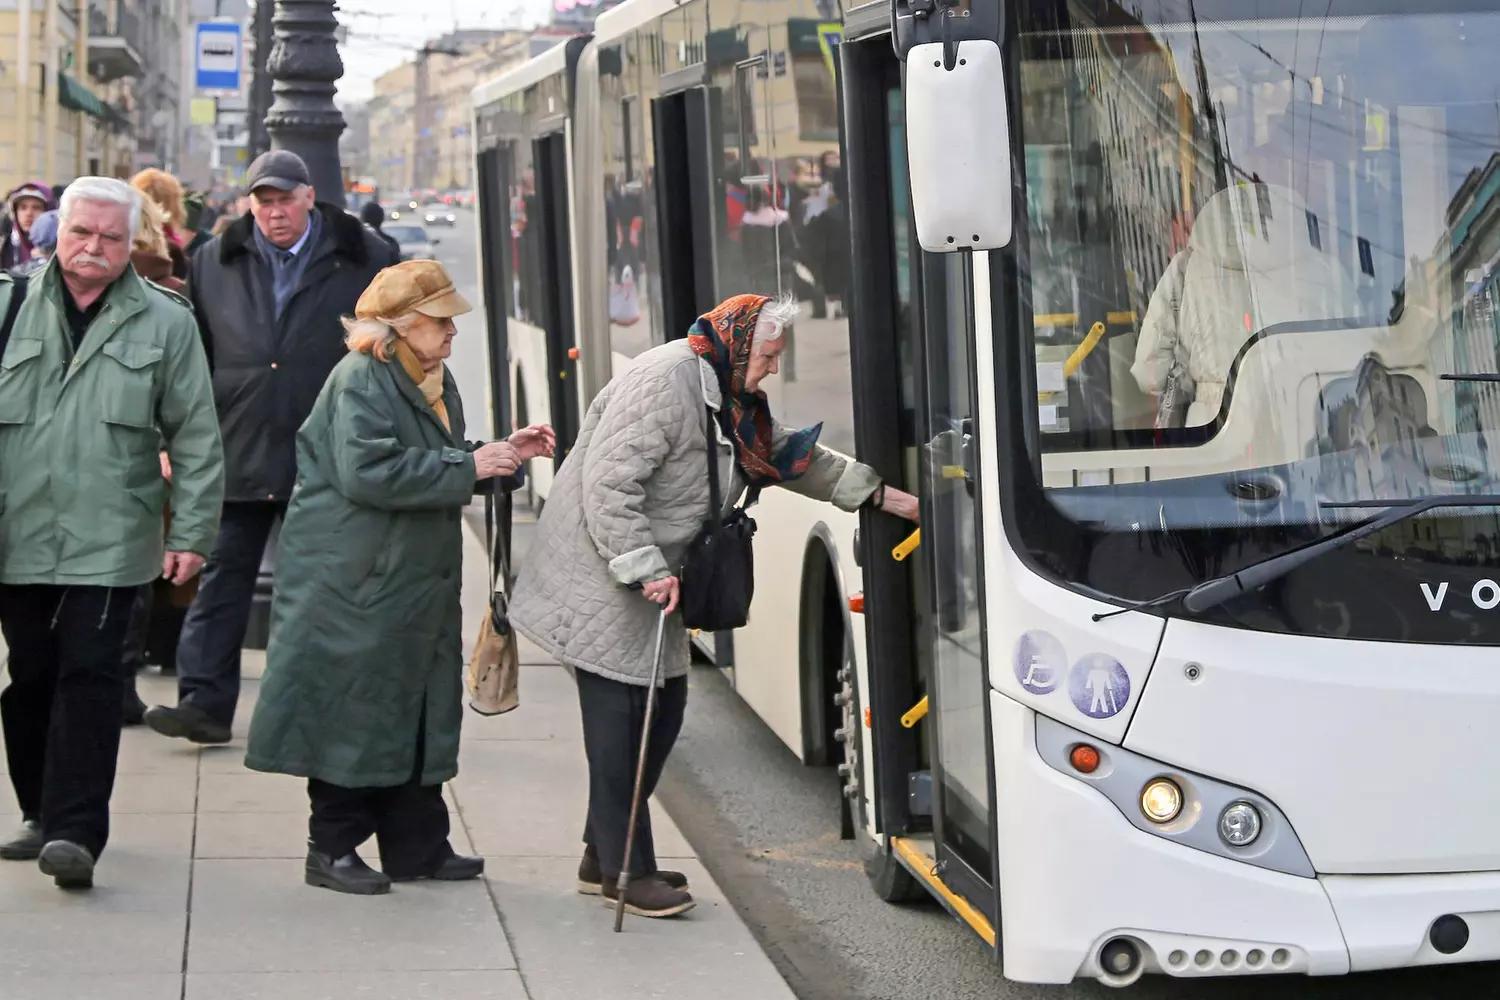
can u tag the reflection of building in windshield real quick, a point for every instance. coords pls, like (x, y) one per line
(1471, 250)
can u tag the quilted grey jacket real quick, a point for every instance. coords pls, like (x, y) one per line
(623, 508)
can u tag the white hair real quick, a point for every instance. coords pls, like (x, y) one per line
(780, 313)
(103, 190)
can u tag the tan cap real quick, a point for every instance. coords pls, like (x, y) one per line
(412, 286)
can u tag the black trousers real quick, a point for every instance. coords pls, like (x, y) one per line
(133, 654)
(208, 654)
(61, 711)
(614, 717)
(409, 822)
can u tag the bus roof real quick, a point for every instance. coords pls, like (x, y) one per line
(630, 15)
(528, 74)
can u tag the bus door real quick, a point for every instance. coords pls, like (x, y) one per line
(682, 128)
(493, 186)
(549, 154)
(949, 565)
(912, 343)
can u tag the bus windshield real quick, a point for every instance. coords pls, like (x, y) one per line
(1258, 268)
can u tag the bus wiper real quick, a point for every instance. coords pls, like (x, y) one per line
(1472, 377)
(1212, 593)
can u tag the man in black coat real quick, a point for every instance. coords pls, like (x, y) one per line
(269, 293)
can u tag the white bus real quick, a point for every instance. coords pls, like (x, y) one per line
(1181, 316)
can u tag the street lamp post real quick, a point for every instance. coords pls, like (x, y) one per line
(304, 65)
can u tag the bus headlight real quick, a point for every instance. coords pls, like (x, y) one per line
(1161, 800)
(1239, 824)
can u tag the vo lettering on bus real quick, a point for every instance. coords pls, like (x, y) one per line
(1485, 595)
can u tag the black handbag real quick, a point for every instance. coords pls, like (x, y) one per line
(718, 572)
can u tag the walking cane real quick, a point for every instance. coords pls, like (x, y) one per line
(623, 882)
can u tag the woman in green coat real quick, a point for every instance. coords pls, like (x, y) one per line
(363, 684)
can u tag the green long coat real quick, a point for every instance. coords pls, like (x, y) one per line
(366, 624)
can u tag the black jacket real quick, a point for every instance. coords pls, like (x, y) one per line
(267, 373)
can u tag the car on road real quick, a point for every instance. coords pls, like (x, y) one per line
(439, 215)
(414, 241)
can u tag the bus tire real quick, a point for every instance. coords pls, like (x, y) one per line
(890, 879)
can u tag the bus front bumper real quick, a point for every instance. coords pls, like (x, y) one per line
(1074, 876)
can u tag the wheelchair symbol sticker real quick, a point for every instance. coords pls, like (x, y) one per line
(1040, 662)
(1099, 686)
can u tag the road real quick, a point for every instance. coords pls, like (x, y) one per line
(767, 828)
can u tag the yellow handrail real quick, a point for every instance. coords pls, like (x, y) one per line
(915, 714)
(906, 548)
(1075, 360)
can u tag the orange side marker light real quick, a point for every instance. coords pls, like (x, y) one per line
(1084, 758)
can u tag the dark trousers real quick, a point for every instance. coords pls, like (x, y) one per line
(614, 717)
(133, 655)
(61, 711)
(208, 654)
(409, 822)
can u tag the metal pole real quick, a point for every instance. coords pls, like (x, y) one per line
(52, 90)
(305, 67)
(260, 86)
(80, 66)
(23, 90)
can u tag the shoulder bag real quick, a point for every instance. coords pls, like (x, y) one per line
(494, 673)
(718, 572)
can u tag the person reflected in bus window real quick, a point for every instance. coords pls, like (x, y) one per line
(626, 503)
(1253, 260)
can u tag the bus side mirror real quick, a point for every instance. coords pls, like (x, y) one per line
(958, 147)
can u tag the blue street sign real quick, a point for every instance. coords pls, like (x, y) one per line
(217, 60)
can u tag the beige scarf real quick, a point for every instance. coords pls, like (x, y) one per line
(431, 383)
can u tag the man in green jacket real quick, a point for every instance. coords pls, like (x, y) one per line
(101, 372)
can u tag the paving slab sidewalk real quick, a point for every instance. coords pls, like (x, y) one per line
(200, 895)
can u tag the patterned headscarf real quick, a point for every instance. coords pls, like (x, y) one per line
(724, 338)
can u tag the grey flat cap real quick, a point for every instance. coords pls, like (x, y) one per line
(281, 169)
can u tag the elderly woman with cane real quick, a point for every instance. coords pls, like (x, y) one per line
(603, 571)
(363, 684)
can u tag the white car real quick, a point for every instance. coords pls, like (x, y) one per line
(414, 241)
(439, 215)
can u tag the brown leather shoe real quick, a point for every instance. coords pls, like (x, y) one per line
(650, 897)
(591, 876)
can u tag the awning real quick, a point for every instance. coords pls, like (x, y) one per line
(74, 95)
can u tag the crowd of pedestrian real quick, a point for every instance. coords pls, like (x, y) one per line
(168, 398)
(167, 395)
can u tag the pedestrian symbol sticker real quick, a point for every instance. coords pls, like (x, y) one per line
(1040, 662)
(1099, 686)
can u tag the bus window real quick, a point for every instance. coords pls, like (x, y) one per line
(1276, 226)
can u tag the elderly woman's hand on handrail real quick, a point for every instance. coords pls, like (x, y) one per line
(536, 441)
(498, 458)
(899, 503)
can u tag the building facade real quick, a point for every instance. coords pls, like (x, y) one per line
(420, 117)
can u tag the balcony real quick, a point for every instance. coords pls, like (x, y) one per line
(113, 51)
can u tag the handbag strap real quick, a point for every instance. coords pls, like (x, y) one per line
(715, 495)
(715, 492)
(496, 530)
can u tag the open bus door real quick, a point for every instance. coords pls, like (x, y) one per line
(493, 186)
(550, 156)
(681, 126)
(688, 203)
(912, 343)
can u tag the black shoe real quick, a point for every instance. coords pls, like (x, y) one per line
(187, 722)
(591, 876)
(650, 897)
(70, 865)
(26, 845)
(135, 709)
(347, 874)
(455, 868)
